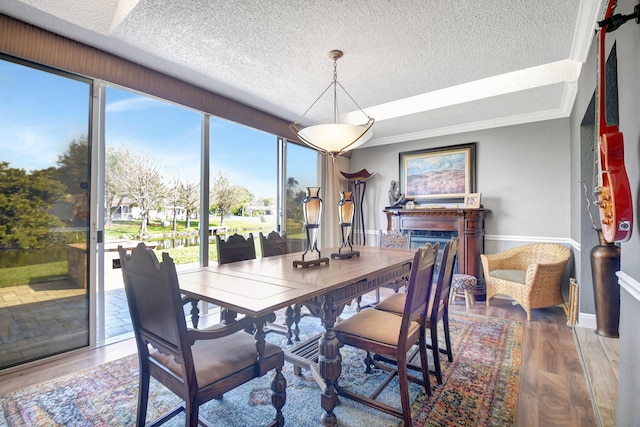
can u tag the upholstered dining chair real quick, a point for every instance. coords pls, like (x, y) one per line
(393, 336)
(530, 274)
(196, 364)
(438, 307)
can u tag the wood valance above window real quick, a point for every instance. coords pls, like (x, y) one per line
(34, 44)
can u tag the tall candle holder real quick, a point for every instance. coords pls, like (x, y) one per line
(346, 209)
(312, 209)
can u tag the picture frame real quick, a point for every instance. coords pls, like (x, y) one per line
(445, 174)
(472, 200)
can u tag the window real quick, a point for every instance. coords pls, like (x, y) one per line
(44, 212)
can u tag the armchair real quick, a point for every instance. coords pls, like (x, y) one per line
(530, 274)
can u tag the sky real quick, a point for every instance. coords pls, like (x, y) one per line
(41, 113)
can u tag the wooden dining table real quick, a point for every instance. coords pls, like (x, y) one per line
(259, 287)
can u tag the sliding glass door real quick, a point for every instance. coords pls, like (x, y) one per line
(159, 170)
(44, 212)
(152, 193)
(301, 171)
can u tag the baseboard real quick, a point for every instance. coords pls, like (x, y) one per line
(587, 321)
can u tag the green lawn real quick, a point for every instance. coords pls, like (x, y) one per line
(38, 273)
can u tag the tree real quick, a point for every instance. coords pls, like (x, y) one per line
(294, 200)
(225, 197)
(292, 184)
(265, 201)
(142, 183)
(190, 199)
(245, 197)
(74, 166)
(115, 168)
(25, 201)
(174, 200)
(73, 173)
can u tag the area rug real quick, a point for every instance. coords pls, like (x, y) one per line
(479, 388)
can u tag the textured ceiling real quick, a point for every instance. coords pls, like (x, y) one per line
(421, 67)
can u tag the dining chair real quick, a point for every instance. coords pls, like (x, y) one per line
(399, 240)
(385, 333)
(235, 248)
(274, 244)
(390, 239)
(438, 307)
(196, 364)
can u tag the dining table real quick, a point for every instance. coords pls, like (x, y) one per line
(260, 287)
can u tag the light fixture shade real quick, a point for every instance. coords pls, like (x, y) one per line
(334, 138)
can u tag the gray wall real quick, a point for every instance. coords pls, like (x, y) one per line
(529, 176)
(523, 173)
(627, 40)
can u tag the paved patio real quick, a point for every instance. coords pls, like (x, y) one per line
(49, 318)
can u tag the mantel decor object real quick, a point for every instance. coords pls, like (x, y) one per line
(312, 209)
(346, 209)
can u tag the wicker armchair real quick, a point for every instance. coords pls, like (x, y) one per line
(531, 274)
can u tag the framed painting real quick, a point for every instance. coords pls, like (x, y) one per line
(472, 200)
(443, 174)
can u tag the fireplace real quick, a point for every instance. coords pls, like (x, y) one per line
(422, 237)
(438, 225)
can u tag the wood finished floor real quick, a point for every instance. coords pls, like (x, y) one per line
(553, 388)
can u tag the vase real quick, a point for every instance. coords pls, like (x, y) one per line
(345, 214)
(312, 209)
(605, 262)
(346, 210)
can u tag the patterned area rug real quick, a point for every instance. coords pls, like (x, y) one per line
(479, 388)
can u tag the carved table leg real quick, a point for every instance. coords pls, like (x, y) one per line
(288, 320)
(227, 316)
(329, 362)
(296, 321)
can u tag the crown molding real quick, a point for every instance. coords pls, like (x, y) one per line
(568, 97)
(588, 13)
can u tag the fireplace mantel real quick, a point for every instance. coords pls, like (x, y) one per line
(467, 223)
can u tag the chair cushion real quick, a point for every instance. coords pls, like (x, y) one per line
(375, 325)
(217, 358)
(463, 281)
(394, 303)
(517, 276)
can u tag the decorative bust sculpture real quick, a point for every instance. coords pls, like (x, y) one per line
(395, 197)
